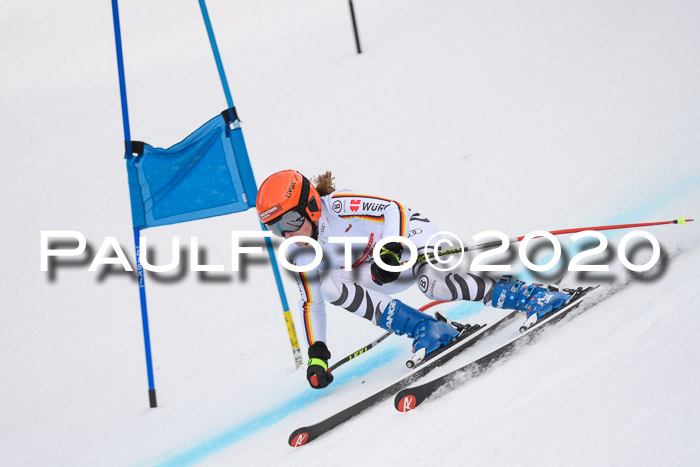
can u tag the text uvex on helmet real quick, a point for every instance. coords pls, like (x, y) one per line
(285, 199)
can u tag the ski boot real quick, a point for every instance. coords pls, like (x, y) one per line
(535, 299)
(428, 333)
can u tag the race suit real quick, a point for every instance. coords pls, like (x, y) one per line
(346, 214)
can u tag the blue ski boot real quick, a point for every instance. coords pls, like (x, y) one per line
(534, 299)
(427, 332)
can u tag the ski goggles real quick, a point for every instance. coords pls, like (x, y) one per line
(290, 221)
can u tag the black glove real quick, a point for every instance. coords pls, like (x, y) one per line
(390, 254)
(317, 372)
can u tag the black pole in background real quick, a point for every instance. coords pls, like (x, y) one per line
(354, 27)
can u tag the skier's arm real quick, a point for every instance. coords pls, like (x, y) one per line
(313, 317)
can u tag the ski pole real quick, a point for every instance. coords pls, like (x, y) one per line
(378, 340)
(360, 352)
(681, 221)
(480, 246)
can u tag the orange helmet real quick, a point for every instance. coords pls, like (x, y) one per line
(287, 191)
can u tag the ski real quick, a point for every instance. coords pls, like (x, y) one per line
(303, 435)
(409, 398)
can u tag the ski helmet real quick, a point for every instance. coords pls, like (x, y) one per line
(284, 192)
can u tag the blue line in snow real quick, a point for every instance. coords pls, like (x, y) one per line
(379, 358)
(651, 204)
(647, 205)
(276, 413)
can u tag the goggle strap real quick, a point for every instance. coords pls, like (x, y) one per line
(304, 196)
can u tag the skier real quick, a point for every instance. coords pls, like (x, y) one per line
(289, 205)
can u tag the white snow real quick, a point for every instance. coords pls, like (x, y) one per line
(482, 115)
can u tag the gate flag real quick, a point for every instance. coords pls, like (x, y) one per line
(201, 176)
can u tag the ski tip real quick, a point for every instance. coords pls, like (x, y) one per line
(406, 403)
(299, 438)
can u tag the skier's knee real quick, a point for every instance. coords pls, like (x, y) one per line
(433, 284)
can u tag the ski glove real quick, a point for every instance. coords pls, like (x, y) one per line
(317, 372)
(390, 254)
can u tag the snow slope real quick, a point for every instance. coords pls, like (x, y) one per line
(503, 115)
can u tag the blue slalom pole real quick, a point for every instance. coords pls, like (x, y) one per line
(137, 242)
(144, 320)
(122, 80)
(249, 181)
(217, 56)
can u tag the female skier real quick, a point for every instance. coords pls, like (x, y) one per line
(289, 205)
